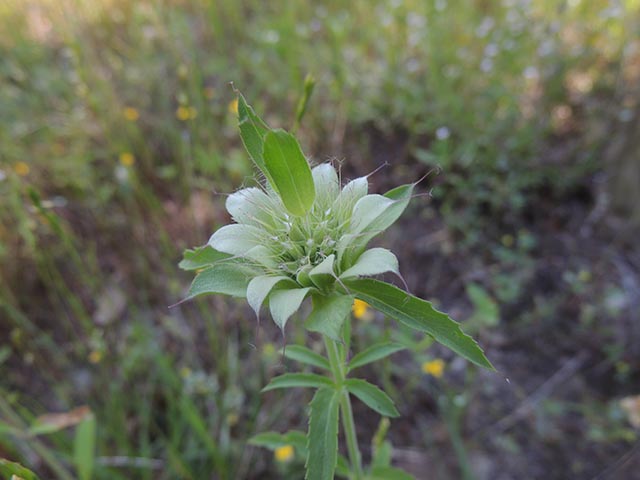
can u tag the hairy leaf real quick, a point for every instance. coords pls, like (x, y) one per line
(373, 262)
(284, 303)
(260, 287)
(225, 278)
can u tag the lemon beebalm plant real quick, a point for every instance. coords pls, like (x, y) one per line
(301, 234)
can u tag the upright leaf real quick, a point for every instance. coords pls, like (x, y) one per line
(322, 440)
(419, 315)
(84, 447)
(373, 262)
(289, 171)
(252, 132)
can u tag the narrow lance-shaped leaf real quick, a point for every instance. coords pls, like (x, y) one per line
(306, 355)
(252, 132)
(289, 171)
(322, 440)
(372, 396)
(374, 353)
(419, 315)
(84, 447)
(300, 380)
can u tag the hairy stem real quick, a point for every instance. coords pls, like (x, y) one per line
(338, 370)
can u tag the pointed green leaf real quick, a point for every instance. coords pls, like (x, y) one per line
(306, 355)
(351, 193)
(374, 353)
(301, 380)
(289, 171)
(284, 303)
(10, 469)
(252, 132)
(389, 473)
(372, 396)
(328, 314)
(417, 314)
(84, 447)
(322, 440)
(237, 239)
(373, 262)
(201, 257)
(322, 275)
(225, 278)
(260, 287)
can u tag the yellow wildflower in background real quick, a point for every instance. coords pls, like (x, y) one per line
(434, 368)
(359, 309)
(127, 159)
(95, 356)
(21, 169)
(283, 454)
(186, 113)
(130, 114)
(233, 106)
(232, 419)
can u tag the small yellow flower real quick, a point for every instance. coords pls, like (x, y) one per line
(232, 419)
(268, 349)
(584, 276)
(507, 240)
(186, 113)
(21, 169)
(130, 114)
(209, 92)
(95, 356)
(434, 368)
(359, 309)
(283, 454)
(185, 372)
(233, 106)
(127, 159)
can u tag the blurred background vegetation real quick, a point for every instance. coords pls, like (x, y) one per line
(118, 140)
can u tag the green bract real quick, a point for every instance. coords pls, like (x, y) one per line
(303, 234)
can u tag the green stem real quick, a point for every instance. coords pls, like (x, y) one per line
(339, 373)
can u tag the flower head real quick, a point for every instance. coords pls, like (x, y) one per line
(21, 168)
(284, 453)
(435, 368)
(130, 113)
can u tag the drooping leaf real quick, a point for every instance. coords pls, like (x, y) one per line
(84, 447)
(372, 396)
(374, 353)
(301, 380)
(10, 469)
(322, 274)
(237, 239)
(289, 171)
(284, 303)
(373, 262)
(305, 355)
(322, 440)
(201, 257)
(259, 288)
(328, 314)
(419, 315)
(225, 278)
(252, 132)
